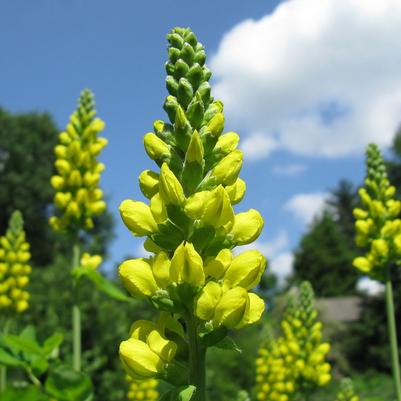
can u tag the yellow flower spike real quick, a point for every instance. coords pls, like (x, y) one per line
(207, 300)
(247, 227)
(245, 270)
(139, 361)
(195, 152)
(155, 148)
(143, 390)
(218, 211)
(14, 267)
(187, 265)
(158, 209)
(137, 277)
(138, 218)
(149, 183)
(217, 266)
(226, 171)
(170, 188)
(161, 269)
(166, 349)
(231, 308)
(236, 191)
(78, 169)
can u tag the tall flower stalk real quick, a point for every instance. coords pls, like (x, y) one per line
(14, 277)
(200, 288)
(78, 198)
(378, 228)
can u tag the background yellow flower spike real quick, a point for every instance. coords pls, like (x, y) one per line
(14, 267)
(78, 198)
(142, 390)
(188, 217)
(347, 392)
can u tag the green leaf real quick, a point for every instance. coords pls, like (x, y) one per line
(66, 384)
(7, 359)
(52, 343)
(229, 344)
(31, 393)
(23, 344)
(29, 333)
(183, 393)
(102, 284)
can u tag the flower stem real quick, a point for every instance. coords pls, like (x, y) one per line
(3, 369)
(76, 317)
(197, 361)
(392, 330)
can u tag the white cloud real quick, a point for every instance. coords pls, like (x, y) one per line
(305, 206)
(258, 146)
(289, 169)
(277, 252)
(315, 77)
(371, 287)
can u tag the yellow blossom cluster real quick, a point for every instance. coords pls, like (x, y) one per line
(145, 390)
(347, 392)
(14, 267)
(378, 226)
(78, 197)
(296, 361)
(189, 221)
(91, 261)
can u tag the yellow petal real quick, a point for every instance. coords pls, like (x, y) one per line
(158, 209)
(247, 227)
(169, 187)
(161, 269)
(149, 183)
(141, 329)
(207, 301)
(230, 310)
(253, 312)
(245, 270)
(226, 171)
(138, 218)
(166, 349)
(155, 147)
(139, 360)
(195, 204)
(217, 266)
(236, 191)
(137, 277)
(227, 143)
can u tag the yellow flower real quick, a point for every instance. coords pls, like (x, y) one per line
(149, 183)
(138, 217)
(156, 148)
(137, 277)
(226, 171)
(247, 227)
(187, 265)
(91, 261)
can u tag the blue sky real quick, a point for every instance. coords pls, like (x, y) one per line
(303, 118)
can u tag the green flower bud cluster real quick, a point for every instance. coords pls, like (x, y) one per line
(78, 197)
(347, 392)
(189, 222)
(378, 226)
(296, 360)
(14, 267)
(145, 390)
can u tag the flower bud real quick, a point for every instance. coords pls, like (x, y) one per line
(380, 248)
(57, 182)
(207, 300)
(187, 265)
(195, 150)
(149, 183)
(247, 227)
(360, 214)
(91, 261)
(161, 269)
(227, 143)
(236, 191)
(216, 124)
(245, 270)
(218, 211)
(362, 264)
(137, 277)
(226, 171)
(217, 266)
(169, 187)
(138, 218)
(155, 147)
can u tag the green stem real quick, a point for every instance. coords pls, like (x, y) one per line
(197, 361)
(76, 317)
(392, 330)
(3, 369)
